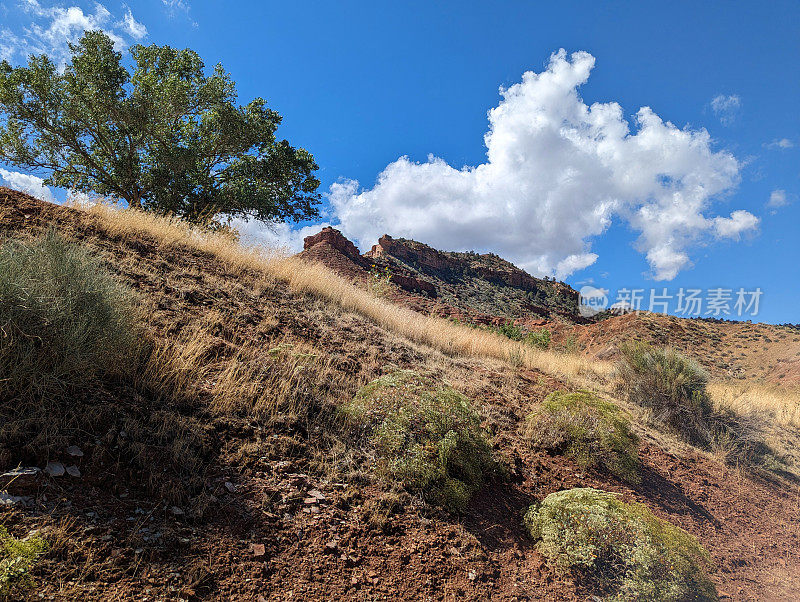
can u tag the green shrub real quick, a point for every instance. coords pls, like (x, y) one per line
(17, 557)
(620, 550)
(64, 319)
(539, 338)
(426, 437)
(671, 385)
(595, 433)
(510, 330)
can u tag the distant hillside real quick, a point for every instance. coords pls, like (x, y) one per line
(486, 289)
(477, 287)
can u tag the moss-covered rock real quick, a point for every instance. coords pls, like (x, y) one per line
(426, 436)
(595, 433)
(620, 550)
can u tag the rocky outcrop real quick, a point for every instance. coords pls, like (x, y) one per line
(421, 256)
(334, 238)
(485, 287)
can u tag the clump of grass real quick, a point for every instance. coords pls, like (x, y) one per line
(17, 558)
(426, 437)
(540, 339)
(595, 433)
(620, 550)
(65, 323)
(64, 319)
(669, 384)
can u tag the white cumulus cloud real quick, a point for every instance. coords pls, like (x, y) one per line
(275, 235)
(557, 173)
(131, 26)
(733, 226)
(33, 185)
(53, 27)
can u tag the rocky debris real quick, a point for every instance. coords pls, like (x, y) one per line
(608, 353)
(230, 487)
(20, 480)
(54, 469)
(73, 471)
(7, 499)
(317, 495)
(414, 285)
(176, 511)
(75, 451)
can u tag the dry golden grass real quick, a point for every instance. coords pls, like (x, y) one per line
(782, 405)
(253, 380)
(443, 335)
(316, 279)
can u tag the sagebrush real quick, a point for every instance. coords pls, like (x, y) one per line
(620, 550)
(426, 437)
(595, 433)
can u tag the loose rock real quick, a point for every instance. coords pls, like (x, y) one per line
(75, 451)
(54, 469)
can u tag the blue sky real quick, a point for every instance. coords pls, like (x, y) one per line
(361, 84)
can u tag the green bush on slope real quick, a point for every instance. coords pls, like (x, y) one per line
(671, 385)
(595, 433)
(17, 557)
(64, 319)
(426, 437)
(620, 550)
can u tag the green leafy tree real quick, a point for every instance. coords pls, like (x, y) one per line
(167, 137)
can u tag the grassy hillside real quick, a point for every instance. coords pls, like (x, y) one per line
(263, 441)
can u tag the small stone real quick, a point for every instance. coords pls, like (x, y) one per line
(73, 471)
(54, 469)
(75, 451)
(354, 581)
(310, 501)
(332, 547)
(176, 511)
(230, 487)
(472, 575)
(314, 493)
(258, 551)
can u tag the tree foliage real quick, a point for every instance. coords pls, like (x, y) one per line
(166, 137)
